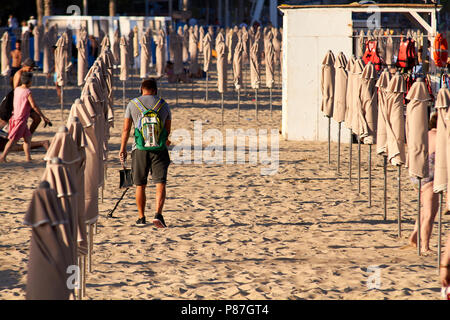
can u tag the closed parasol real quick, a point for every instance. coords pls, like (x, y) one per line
(327, 84)
(6, 48)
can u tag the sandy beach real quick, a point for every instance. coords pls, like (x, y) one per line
(302, 233)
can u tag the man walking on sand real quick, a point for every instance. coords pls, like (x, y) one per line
(148, 113)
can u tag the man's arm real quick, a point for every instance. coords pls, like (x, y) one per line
(168, 127)
(125, 136)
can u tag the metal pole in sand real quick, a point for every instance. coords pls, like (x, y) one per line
(256, 104)
(123, 82)
(329, 140)
(385, 185)
(370, 175)
(350, 157)
(441, 198)
(62, 103)
(206, 98)
(83, 278)
(222, 105)
(90, 245)
(399, 213)
(418, 217)
(176, 85)
(359, 165)
(270, 95)
(239, 104)
(339, 150)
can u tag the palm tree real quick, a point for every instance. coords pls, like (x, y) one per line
(40, 11)
(112, 8)
(47, 7)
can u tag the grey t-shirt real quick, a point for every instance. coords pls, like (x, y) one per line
(133, 113)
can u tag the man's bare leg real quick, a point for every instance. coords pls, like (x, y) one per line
(36, 121)
(140, 200)
(27, 148)
(160, 197)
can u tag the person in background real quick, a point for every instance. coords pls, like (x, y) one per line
(16, 56)
(12, 22)
(18, 129)
(430, 200)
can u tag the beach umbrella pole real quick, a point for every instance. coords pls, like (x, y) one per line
(123, 91)
(83, 278)
(329, 140)
(221, 94)
(62, 102)
(256, 104)
(90, 246)
(339, 149)
(176, 89)
(359, 165)
(239, 104)
(206, 98)
(385, 186)
(418, 217)
(192, 90)
(441, 198)
(350, 157)
(270, 95)
(399, 213)
(370, 175)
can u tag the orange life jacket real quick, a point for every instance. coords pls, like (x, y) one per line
(406, 54)
(371, 54)
(440, 51)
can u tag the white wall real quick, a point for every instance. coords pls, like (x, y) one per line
(307, 36)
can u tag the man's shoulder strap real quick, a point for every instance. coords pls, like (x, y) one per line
(159, 104)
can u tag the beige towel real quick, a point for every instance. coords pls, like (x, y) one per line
(340, 88)
(221, 63)
(395, 125)
(382, 84)
(327, 84)
(417, 130)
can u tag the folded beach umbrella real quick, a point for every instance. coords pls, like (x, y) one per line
(245, 42)
(105, 44)
(382, 84)
(389, 50)
(145, 56)
(254, 65)
(37, 32)
(160, 52)
(237, 63)
(6, 49)
(368, 111)
(207, 51)
(349, 93)
(25, 45)
(183, 35)
(87, 118)
(178, 48)
(69, 41)
(269, 54)
(47, 48)
(395, 125)
(63, 147)
(358, 68)
(361, 45)
(60, 178)
(193, 51)
(172, 43)
(232, 44)
(340, 88)
(277, 46)
(417, 129)
(50, 253)
(442, 166)
(124, 60)
(135, 42)
(60, 61)
(327, 84)
(116, 47)
(201, 33)
(82, 56)
(221, 63)
(130, 44)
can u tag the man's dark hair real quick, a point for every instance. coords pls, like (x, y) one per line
(150, 85)
(19, 41)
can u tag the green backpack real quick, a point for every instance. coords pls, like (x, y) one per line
(149, 134)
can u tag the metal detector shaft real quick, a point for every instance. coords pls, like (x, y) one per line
(110, 214)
